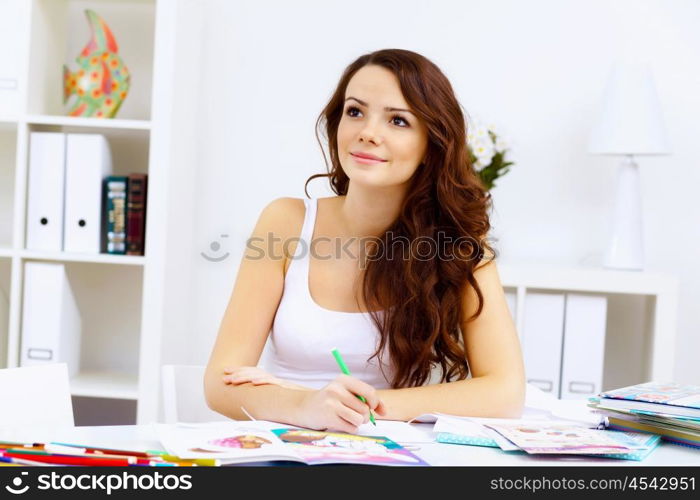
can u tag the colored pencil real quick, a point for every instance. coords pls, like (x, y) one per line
(54, 452)
(106, 451)
(207, 462)
(6, 462)
(68, 460)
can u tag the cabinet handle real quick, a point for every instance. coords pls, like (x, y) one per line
(42, 354)
(581, 387)
(545, 385)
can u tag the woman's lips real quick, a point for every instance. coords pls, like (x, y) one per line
(366, 161)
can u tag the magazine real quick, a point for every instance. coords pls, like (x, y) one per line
(670, 398)
(259, 441)
(561, 438)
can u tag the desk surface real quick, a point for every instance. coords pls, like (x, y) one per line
(142, 437)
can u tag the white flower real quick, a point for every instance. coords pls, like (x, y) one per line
(482, 147)
(476, 129)
(483, 155)
(481, 142)
(481, 133)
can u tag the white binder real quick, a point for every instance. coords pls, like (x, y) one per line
(45, 191)
(543, 326)
(88, 161)
(584, 346)
(50, 318)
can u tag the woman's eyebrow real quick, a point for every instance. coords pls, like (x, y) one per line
(385, 109)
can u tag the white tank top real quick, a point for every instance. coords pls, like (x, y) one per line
(304, 333)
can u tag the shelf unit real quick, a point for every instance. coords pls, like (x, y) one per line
(641, 318)
(121, 298)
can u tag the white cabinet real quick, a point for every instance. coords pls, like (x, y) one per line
(637, 309)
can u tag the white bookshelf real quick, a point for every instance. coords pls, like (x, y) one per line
(642, 310)
(121, 298)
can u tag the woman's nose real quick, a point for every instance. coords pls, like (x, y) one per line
(369, 134)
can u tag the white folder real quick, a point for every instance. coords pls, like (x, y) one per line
(88, 161)
(50, 317)
(543, 326)
(584, 346)
(4, 325)
(45, 191)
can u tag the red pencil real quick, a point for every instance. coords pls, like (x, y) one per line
(69, 460)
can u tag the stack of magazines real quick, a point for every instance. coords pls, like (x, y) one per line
(670, 410)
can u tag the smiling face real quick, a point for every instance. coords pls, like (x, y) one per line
(377, 121)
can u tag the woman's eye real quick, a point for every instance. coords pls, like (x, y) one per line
(352, 109)
(397, 117)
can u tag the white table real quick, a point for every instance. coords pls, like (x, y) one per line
(142, 437)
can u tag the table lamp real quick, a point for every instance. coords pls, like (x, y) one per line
(630, 124)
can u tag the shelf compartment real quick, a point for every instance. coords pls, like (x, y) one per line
(12, 38)
(129, 147)
(60, 31)
(5, 285)
(8, 148)
(108, 299)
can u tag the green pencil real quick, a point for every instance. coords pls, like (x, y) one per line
(346, 371)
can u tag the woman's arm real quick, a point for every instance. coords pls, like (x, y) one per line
(248, 319)
(497, 386)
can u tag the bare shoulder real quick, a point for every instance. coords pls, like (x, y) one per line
(284, 216)
(280, 222)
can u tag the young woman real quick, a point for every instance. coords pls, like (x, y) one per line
(394, 271)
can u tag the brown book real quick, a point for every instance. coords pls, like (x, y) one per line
(136, 213)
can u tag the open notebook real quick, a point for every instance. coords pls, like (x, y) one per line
(261, 441)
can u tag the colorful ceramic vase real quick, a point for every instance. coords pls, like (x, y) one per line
(102, 82)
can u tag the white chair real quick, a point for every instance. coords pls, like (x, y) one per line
(183, 395)
(36, 396)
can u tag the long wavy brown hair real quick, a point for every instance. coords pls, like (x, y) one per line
(421, 299)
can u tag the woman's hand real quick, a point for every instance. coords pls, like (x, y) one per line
(337, 407)
(256, 376)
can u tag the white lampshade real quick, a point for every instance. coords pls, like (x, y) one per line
(630, 122)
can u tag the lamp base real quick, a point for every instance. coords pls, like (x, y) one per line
(626, 248)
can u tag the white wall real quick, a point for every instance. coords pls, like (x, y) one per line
(536, 69)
